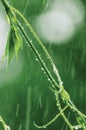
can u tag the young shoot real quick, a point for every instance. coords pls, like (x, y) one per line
(14, 44)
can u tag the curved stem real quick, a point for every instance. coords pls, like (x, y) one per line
(6, 127)
(6, 5)
(60, 110)
(50, 122)
(74, 108)
(51, 75)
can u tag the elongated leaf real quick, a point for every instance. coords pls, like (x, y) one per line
(14, 43)
(18, 42)
(9, 51)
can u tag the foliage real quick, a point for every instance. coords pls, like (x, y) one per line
(14, 44)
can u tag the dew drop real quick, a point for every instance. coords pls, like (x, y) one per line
(57, 104)
(77, 127)
(44, 127)
(42, 69)
(74, 110)
(36, 59)
(44, 72)
(84, 128)
(30, 41)
(48, 79)
(23, 36)
(26, 42)
(19, 23)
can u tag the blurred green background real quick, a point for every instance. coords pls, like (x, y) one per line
(25, 94)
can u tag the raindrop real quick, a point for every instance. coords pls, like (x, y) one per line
(23, 36)
(48, 57)
(84, 128)
(44, 127)
(19, 23)
(57, 104)
(36, 59)
(26, 42)
(42, 69)
(30, 41)
(17, 110)
(48, 79)
(77, 127)
(44, 72)
(74, 110)
(20, 126)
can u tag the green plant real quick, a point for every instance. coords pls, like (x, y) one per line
(14, 44)
(6, 127)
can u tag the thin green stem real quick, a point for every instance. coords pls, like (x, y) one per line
(55, 85)
(46, 70)
(6, 127)
(50, 122)
(60, 110)
(41, 45)
(74, 108)
(52, 73)
(44, 65)
(6, 5)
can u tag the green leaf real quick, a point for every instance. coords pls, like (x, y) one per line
(44, 2)
(14, 43)
(18, 42)
(9, 51)
(81, 121)
(64, 95)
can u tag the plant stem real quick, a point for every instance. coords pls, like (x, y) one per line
(51, 72)
(39, 57)
(6, 5)
(50, 122)
(4, 124)
(48, 57)
(60, 111)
